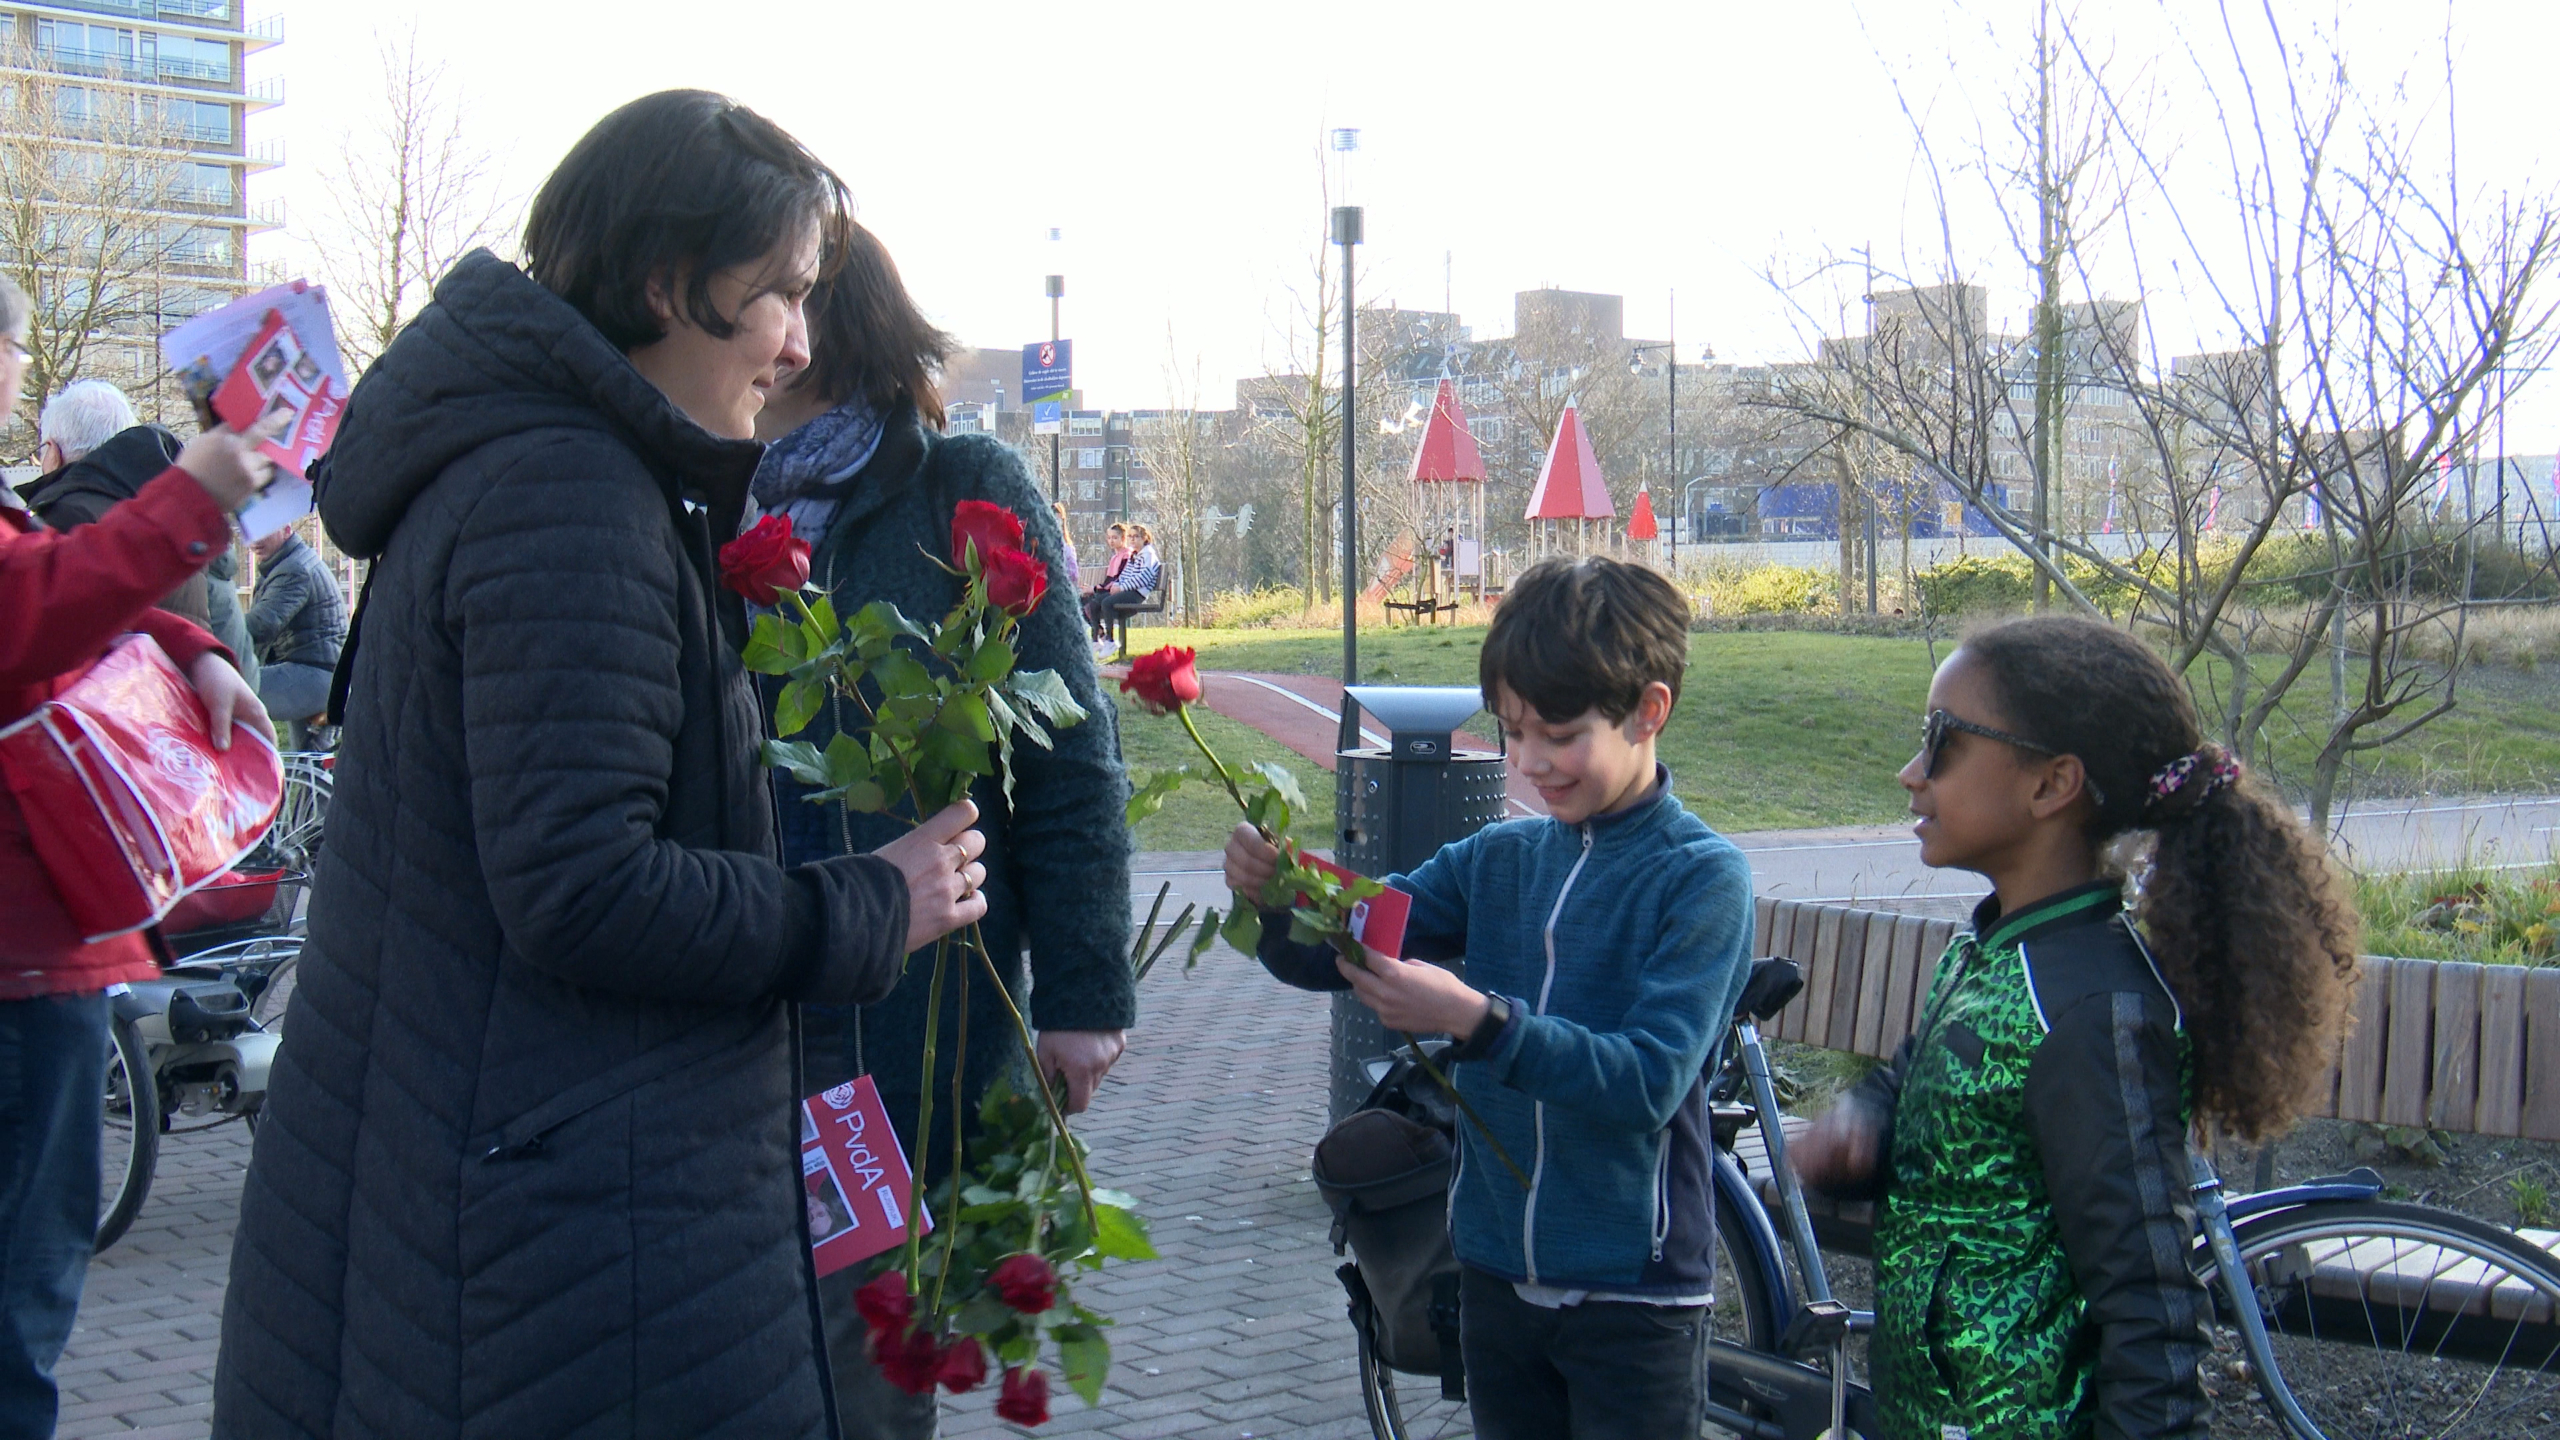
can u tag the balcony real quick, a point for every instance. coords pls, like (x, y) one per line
(266, 216)
(263, 155)
(264, 94)
(109, 65)
(203, 14)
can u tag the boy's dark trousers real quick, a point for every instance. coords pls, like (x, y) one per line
(1600, 1370)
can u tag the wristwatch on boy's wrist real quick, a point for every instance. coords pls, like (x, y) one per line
(1497, 1013)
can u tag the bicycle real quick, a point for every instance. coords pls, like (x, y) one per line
(190, 1049)
(2343, 1315)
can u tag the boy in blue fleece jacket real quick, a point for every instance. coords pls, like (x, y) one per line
(1603, 947)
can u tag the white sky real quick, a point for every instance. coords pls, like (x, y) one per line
(1633, 148)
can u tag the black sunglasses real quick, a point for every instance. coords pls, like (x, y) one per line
(1933, 739)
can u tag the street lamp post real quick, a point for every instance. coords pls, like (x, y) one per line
(1346, 233)
(1671, 389)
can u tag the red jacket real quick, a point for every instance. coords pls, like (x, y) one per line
(63, 598)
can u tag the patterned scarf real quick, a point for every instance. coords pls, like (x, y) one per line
(833, 447)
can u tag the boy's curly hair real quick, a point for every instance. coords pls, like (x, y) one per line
(2251, 926)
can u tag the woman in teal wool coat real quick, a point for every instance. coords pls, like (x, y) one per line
(858, 461)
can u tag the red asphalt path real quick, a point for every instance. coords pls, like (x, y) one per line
(1304, 712)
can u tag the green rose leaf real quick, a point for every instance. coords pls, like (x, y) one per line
(956, 753)
(993, 662)
(821, 627)
(1285, 781)
(1243, 927)
(1268, 810)
(848, 760)
(763, 654)
(798, 706)
(902, 676)
(966, 714)
(800, 758)
(1084, 1358)
(1149, 798)
(1201, 942)
(1045, 693)
(1119, 1233)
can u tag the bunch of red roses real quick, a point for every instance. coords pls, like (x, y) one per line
(915, 1360)
(923, 712)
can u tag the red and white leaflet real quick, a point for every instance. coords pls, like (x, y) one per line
(1377, 922)
(277, 372)
(854, 1175)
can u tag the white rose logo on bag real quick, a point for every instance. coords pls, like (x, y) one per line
(178, 761)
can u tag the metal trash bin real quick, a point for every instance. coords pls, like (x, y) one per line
(1394, 807)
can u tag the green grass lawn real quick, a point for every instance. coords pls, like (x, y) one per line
(1199, 815)
(1774, 730)
(1790, 729)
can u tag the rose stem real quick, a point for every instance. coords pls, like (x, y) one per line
(1214, 762)
(924, 1121)
(951, 1222)
(1031, 1052)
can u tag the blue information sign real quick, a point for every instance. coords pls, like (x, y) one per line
(1048, 417)
(1048, 369)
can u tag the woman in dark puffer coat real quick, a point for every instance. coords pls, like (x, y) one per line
(529, 1165)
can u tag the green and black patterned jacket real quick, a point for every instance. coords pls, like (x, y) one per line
(2032, 1242)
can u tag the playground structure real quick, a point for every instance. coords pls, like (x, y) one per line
(1446, 553)
(1570, 490)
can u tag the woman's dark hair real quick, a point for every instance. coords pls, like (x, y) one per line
(867, 339)
(2251, 927)
(1576, 635)
(674, 188)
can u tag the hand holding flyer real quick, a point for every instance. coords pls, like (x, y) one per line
(272, 356)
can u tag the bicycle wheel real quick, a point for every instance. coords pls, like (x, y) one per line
(2393, 1322)
(294, 840)
(131, 1143)
(1410, 1407)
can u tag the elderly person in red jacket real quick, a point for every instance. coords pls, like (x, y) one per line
(63, 598)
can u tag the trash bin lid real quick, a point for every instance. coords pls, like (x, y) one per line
(1418, 713)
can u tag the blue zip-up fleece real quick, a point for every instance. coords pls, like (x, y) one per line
(1621, 945)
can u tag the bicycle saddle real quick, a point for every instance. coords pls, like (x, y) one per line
(1774, 981)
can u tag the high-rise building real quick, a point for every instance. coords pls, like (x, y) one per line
(131, 119)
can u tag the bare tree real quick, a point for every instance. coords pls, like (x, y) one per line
(1176, 447)
(414, 194)
(93, 218)
(2370, 304)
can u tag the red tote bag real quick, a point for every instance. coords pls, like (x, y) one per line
(128, 804)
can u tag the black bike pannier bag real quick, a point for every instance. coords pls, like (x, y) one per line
(1385, 1172)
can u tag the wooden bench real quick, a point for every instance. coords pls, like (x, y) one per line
(2439, 1044)
(1152, 605)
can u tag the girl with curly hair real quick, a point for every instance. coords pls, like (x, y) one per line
(2029, 1143)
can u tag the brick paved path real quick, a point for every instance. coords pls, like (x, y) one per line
(1237, 1331)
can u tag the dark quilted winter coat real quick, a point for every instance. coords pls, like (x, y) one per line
(529, 1166)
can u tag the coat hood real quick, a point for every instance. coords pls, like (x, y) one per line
(493, 355)
(116, 470)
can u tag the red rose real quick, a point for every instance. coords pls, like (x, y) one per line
(990, 528)
(1164, 681)
(1025, 1400)
(885, 1305)
(964, 1365)
(1025, 1282)
(911, 1362)
(1015, 581)
(765, 561)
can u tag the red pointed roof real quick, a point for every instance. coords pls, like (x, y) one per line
(1570, 487)
(1640, 525)
(1448, 451)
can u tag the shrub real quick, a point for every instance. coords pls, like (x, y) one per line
(1771, 590)
(1248, 609)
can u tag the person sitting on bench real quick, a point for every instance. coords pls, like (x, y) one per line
(1129, 588)
(1111, 568)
